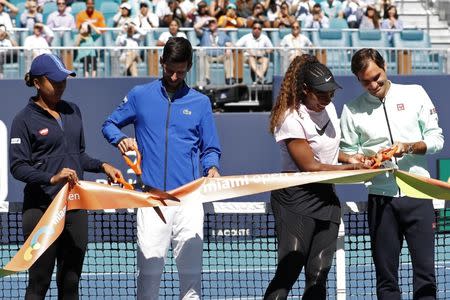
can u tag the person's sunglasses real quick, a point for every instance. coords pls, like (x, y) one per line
(257, 28)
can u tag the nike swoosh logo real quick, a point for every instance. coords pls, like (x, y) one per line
(322, 131)
(327, 79)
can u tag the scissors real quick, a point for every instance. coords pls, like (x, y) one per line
(382, 156)
(140, 185)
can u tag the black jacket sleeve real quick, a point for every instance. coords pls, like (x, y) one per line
(20, 160)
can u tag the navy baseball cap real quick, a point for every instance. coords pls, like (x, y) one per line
(320, 78)
(50, 66)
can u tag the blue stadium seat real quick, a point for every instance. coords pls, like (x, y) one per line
(421, 61)
(338, 23)
(338, 60)
(21, 7)
(243, 31)
(103, 57)
(377, 39)
(109, 9)
(192, 37)
(48, 8)
(77, 7)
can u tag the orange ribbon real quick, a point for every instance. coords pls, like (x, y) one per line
(95, 196)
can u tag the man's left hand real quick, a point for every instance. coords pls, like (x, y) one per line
(213, 172)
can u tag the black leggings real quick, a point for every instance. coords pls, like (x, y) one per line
(68, 250)
(302, 242)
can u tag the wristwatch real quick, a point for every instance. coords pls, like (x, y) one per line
(410, 149)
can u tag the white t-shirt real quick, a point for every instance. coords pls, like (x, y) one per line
(165, 36)
(249, 41)
(320, 129)
(300, 41)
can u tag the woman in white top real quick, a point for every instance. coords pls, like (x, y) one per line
(174, 31)
(305, 125)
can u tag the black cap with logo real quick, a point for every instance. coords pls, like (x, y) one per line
(320, 78)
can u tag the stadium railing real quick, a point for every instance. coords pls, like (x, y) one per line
(399, 61)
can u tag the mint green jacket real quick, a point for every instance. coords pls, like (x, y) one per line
(406, 115)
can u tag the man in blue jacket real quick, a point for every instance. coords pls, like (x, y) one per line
(174, 129)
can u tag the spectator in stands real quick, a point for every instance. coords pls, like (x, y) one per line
(146, 19)
(317, 18)
(284, 18)
(86, 37)
(382, 6)
(5, 18)
(130, 38)
(202, 14)
(215, 38)
(306, 127)
(391, 21)
(61, 18)
(164, 13)
(6, 55)
(272, 11)
(230, 19)
(90, 15)
(370, 19)
(244, 8)
(193, 140)
(176, 13)
(31, 16)
(353, 12)
(402, 116)
(257, 59)
(38, 43)
(217, 8)
(301, 8)
(174, 31)
(123, 16)
(332, 8)
(295, 40)
(258, 15)
(189, 8)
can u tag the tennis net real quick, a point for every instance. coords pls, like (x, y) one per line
(239, 257)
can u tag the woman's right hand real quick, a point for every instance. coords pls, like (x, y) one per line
(360, 166)
(65, 175)
(127, 144)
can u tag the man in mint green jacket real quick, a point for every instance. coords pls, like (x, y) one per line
(390, 114)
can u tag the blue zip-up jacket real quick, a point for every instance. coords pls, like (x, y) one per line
(40, 148)
(172, 135)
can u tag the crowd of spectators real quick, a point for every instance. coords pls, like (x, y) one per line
(134, 17)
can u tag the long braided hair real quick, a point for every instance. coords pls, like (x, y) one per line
(292, 89)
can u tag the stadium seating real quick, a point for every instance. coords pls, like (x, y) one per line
(337, 60)
(377, 39)
(48, 8)
(416, 61)
(77, 7)
(21, 7)
(109, 9)
(103, 57)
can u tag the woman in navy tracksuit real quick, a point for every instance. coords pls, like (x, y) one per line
(46, 151)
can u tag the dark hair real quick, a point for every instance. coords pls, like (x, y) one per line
(177, 50)
(291, 91)
(29, 79)
(386, 14)
(362, 57)
(376, 16)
